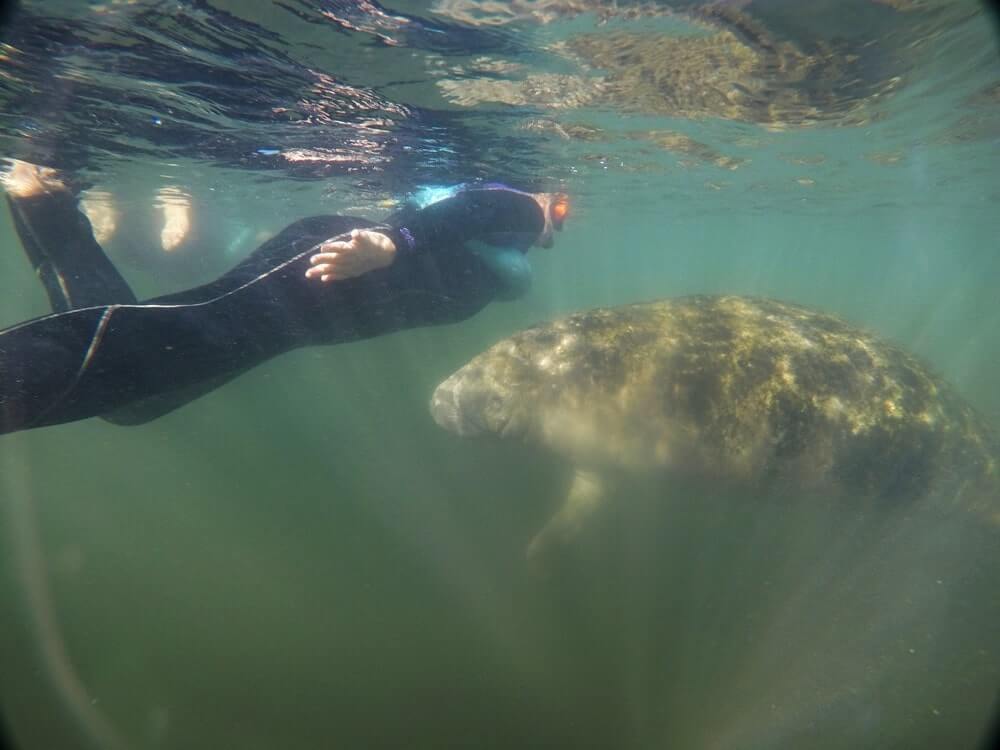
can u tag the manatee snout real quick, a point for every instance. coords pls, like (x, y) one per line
(457, 405)
(446, 408)
(467, 405)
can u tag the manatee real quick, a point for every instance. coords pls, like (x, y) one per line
(745, 393)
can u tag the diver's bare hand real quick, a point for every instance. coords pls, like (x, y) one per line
(365, 251)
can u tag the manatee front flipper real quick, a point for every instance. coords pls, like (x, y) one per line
(586, 495)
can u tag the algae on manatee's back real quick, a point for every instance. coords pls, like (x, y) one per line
(750, 392)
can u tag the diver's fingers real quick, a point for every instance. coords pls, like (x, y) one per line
(322, 258)
(331, 246)
(364, 252)
(339, 261)
(337, 267)
(326, 276)
(320, 271)
(336, 244)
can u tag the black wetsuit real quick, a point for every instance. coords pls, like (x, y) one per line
(104, 354)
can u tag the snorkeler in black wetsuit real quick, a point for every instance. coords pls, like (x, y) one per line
(322, 280)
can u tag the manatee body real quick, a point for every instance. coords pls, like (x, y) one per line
(744, 392)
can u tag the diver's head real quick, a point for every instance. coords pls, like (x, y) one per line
(555, 207)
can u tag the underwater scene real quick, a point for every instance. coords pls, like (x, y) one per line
(499, 374)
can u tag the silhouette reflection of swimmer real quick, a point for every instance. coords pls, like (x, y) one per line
(322, 280)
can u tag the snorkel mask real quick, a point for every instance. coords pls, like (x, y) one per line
(558, 210)
(555, 206)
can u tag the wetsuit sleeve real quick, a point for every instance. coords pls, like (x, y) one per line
(497, 217)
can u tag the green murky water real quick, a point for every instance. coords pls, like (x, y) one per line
(303, 559)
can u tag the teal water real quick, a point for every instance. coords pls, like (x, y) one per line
(303, 559)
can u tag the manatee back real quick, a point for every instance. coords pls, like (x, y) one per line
(763, 391)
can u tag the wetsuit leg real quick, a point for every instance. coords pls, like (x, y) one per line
(95, 360)
(60, 244)
(295, 238)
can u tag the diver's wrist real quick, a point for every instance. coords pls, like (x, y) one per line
(403, 240)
